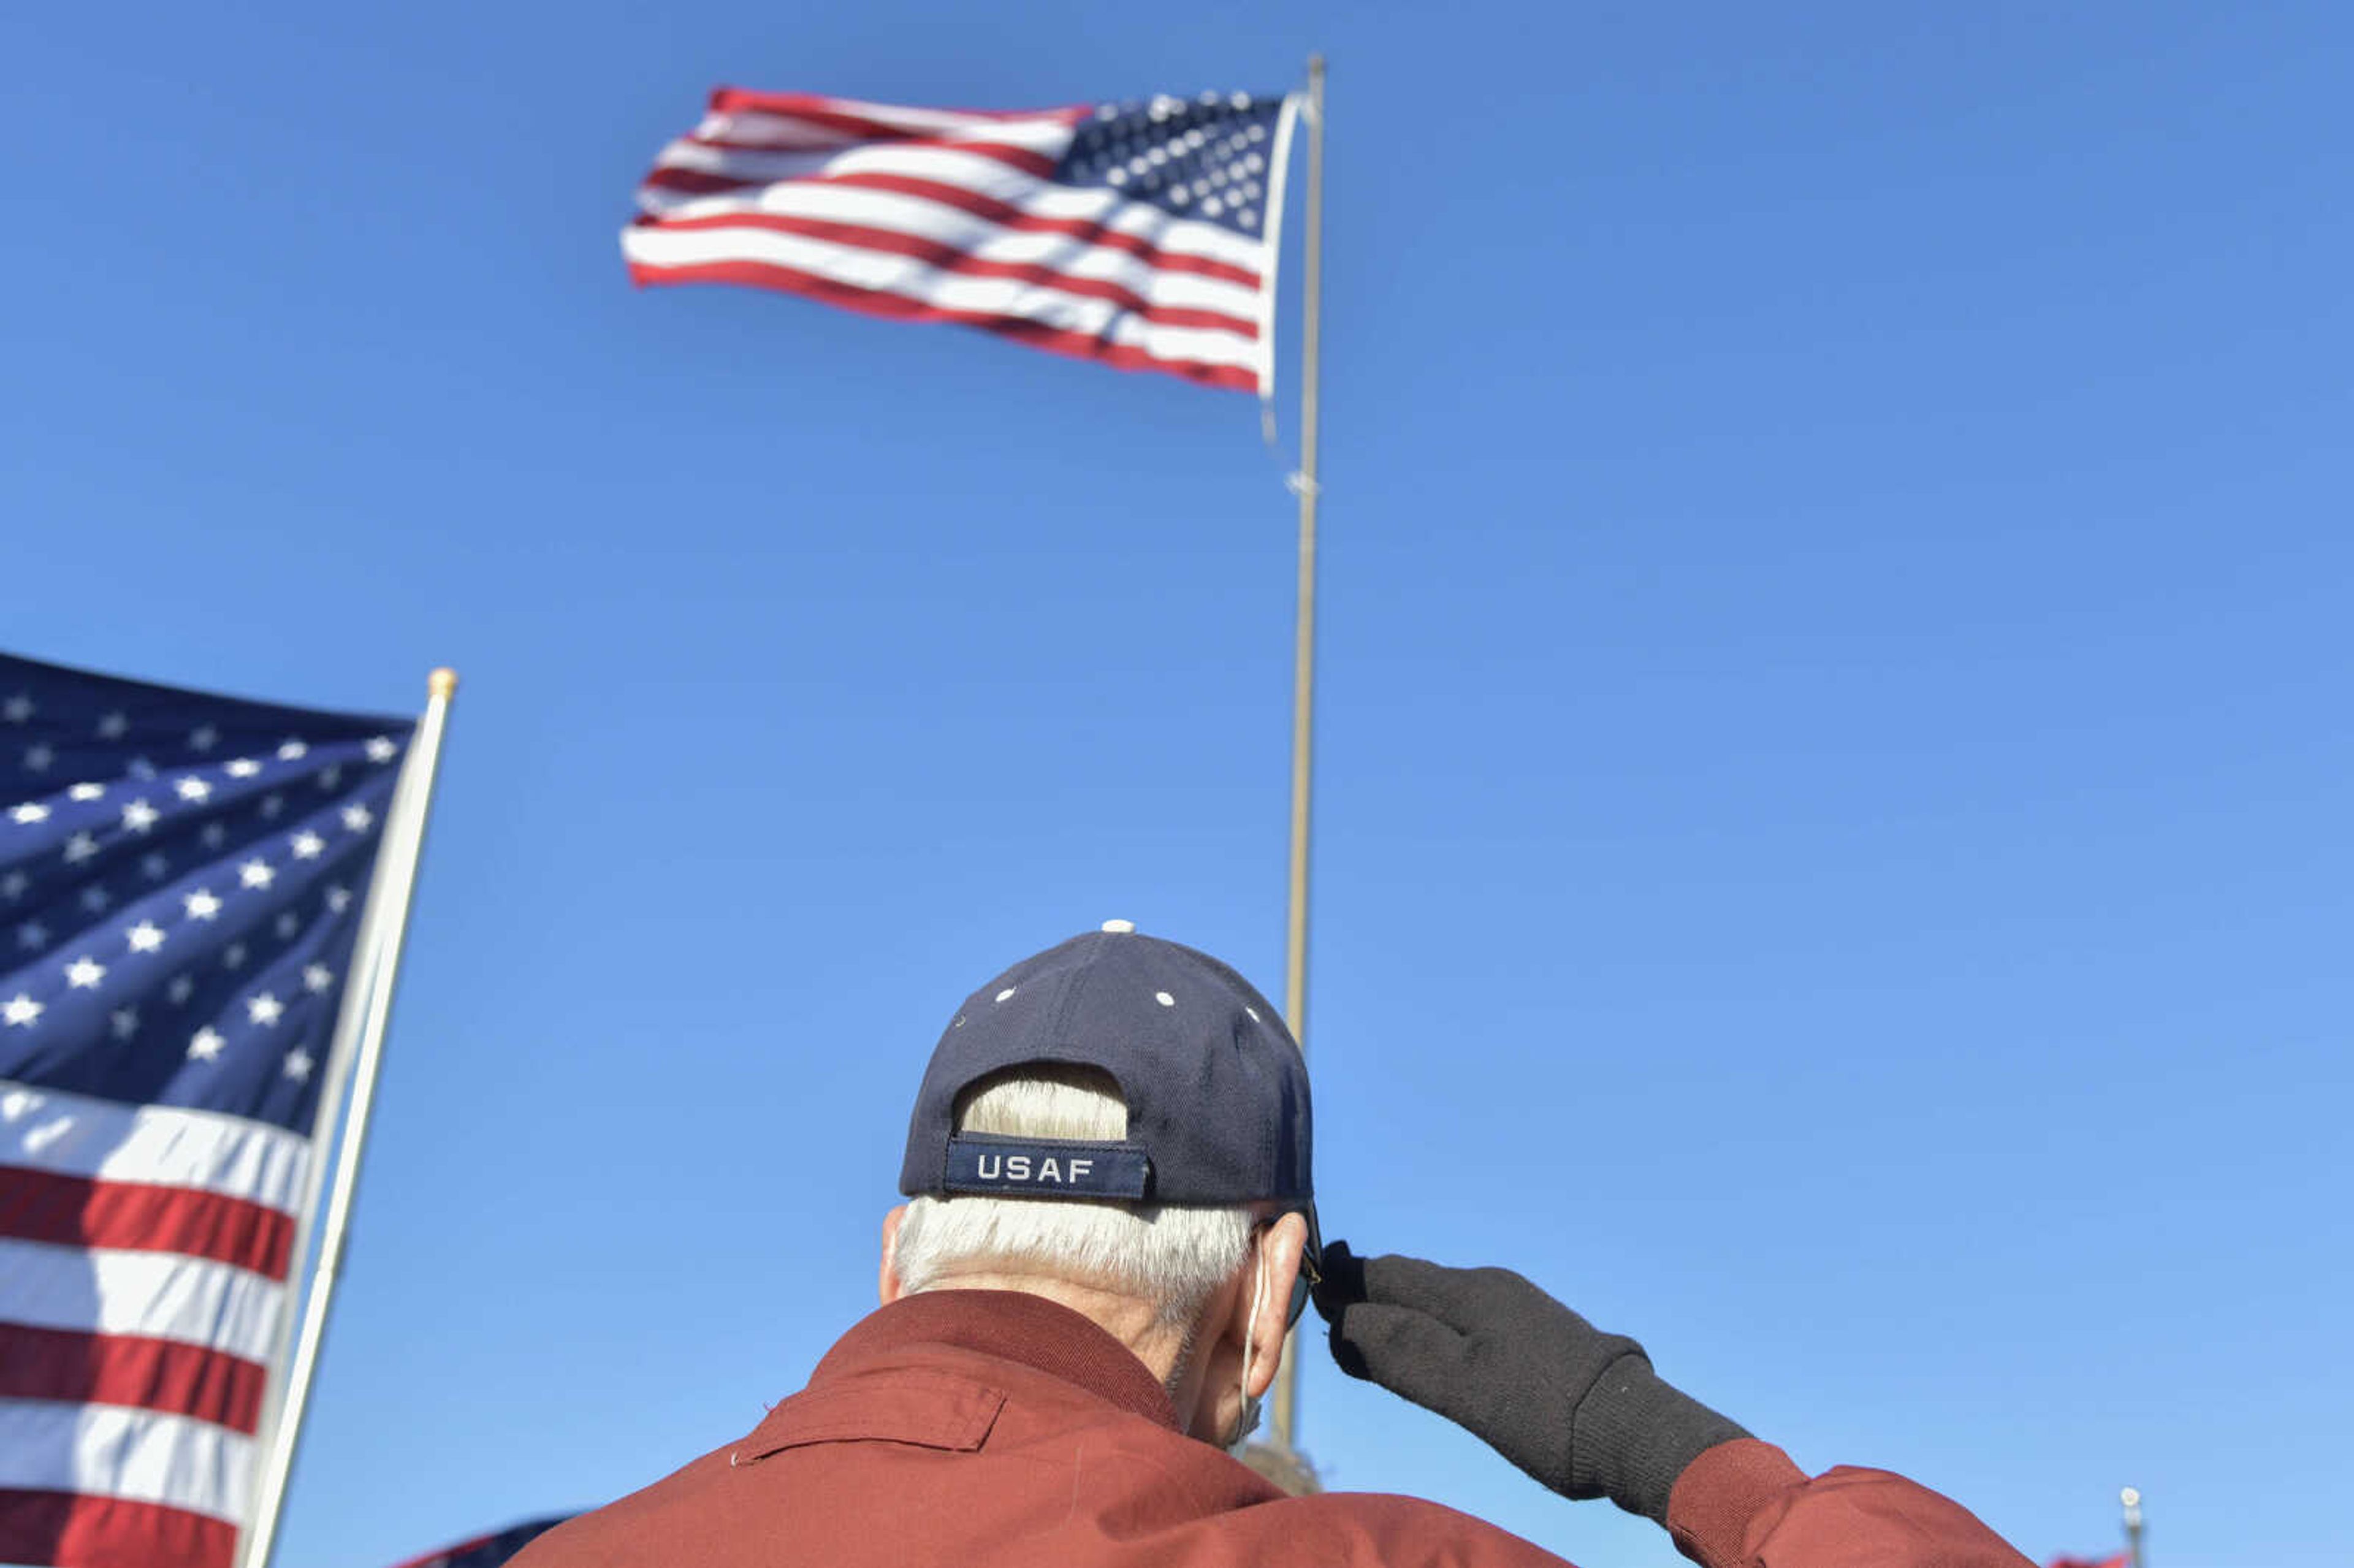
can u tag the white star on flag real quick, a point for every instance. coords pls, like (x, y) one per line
(139, 816)
(201, 904)
(154, 867)
(84, 973)
(264, 1008)
(271, 805)
(292, 751)
(358, 817)
(125, 1020)
(37, 756)
(214, 835)
(381, 749)
(18, 708)
(86, 792)
(113, 727)
(288, 923)
(33, 934)
(95, 898)
(339, 898)
(232, 955)
(30, 813)
(255, 872)
(317, 976)
(331, 777)
(207, 1044)
(308, 845)
(12, 886)
(21, 1010)
(298, 1065)
(192, 787)
(140, 767)
(145, 937)
(79, 847)
(180, 988)
(203, 737)
(243, 768)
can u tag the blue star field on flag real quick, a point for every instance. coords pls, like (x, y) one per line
(1205, 158)
(181, 882)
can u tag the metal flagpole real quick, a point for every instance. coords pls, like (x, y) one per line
(2131, 1498)
(1303, 672)
(356, 1053)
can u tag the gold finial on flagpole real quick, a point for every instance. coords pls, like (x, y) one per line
(443, 683)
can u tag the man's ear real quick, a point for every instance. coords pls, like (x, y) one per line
(886, 1284)
(1281, 1247)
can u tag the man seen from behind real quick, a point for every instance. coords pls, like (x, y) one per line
(1111, 1224)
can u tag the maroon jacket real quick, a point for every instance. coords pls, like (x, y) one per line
(989, 1429)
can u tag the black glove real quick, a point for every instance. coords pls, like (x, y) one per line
(1578, 1409)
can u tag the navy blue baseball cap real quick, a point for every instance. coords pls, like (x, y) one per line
(1215, 1087)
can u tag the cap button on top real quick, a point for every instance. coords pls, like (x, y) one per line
(1119, 925)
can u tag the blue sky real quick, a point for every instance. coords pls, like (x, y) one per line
(1830, 845)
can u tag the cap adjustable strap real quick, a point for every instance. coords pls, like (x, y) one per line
(1047, 1168)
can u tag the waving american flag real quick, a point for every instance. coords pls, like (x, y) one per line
(181, 883)
(1140, 235)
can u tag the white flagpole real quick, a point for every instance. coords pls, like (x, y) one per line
(1303, 683)
(356, 1053)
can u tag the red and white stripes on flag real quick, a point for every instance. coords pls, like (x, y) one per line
(145, 1253)
(1114, 233)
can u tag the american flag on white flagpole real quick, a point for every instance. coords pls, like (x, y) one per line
(1138, 235)
(182, 879)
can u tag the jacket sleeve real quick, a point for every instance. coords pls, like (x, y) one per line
(1745, 1505)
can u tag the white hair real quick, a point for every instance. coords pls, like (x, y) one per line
(1172, 1256)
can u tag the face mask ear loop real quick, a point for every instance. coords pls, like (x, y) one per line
(1250, 1411)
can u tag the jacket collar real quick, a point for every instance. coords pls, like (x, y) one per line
(1012, 1325)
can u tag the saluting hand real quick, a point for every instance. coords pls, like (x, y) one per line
(1576, 1408)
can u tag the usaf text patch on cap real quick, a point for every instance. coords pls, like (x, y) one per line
(1047, 1168)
